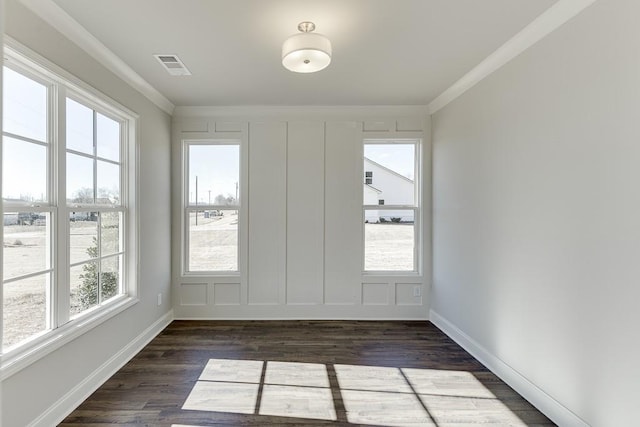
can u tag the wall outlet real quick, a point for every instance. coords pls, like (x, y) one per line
(417, 291)
(160, 299)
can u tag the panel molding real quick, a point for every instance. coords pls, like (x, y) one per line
(300, 112)
(71, 400)
(305, 212)
(553, 409)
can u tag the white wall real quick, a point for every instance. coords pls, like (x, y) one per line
(34, 390)
(536, 177)
(301, 200)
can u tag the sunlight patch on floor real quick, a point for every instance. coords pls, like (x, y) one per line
(300, 374)
(237, 398)
(374, 395)
(239, 371)
(371, 378)
(298, 402)
(446, 383)
(384, 408)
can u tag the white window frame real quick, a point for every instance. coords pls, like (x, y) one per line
(62, 328)
(188, 208)
(416, 207)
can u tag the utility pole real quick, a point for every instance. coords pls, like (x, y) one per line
(236, 193)
(209, 197)
(196, 199)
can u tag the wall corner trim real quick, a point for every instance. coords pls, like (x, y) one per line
(71, 400)
(55, 16)
(547, 22)
(553, 409)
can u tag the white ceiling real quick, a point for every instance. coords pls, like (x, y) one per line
(385, 52)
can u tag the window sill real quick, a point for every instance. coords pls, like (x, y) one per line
(14, 361)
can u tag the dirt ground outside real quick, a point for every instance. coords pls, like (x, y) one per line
(213, 245)
(25, 248)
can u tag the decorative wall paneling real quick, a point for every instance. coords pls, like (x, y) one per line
(301, 206)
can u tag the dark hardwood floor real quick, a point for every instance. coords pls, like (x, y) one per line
(383, 373)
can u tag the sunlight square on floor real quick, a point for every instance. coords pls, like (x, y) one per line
(298, 402)
(239, 371)
(446, 383)
(385, 409)
(371, 378)
(237, 398)
(300, 374)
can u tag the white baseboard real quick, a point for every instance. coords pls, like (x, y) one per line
(67, 403)
(553, 409)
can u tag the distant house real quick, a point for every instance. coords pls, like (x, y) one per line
(383, 186)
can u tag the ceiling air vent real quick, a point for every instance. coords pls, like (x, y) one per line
(173, 65)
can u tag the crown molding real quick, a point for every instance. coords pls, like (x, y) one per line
(547, 22)
(55, 16)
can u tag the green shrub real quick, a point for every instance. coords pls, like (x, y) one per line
(88, 291)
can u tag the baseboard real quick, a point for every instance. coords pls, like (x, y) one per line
(67, 403)
(553, 409)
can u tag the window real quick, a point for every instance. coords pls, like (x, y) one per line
(368, 177)
(93, 178)
(391, 206)
(67, 165)
(211, 206)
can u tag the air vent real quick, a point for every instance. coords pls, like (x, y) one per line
(173, 65)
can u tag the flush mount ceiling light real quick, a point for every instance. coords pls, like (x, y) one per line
(306, 52)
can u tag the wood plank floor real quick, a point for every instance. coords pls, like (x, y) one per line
(285, 373)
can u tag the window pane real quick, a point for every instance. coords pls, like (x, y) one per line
(108, 136)
(110, 233)
(213, 240)
(217, 171)
(79, 179)
(389, 174)
(83, 236)
(24, 171)
(389, 240)
(108, 183)
(83, 280)
(26, 246)
(24, 106)
(79, 127)
(110, 278)
(24, 309)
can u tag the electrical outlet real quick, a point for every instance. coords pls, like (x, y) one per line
(160, 299)
(417, 291)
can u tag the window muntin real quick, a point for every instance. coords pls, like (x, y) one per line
(37, 153)
(211, 213)
(391, 206)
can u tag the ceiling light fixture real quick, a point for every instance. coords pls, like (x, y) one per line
(306, 52)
